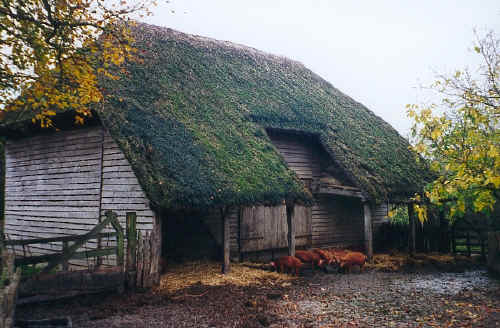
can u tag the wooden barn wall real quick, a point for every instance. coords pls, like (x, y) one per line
(263, 227)
(337, 221)
(213, 222)
(121, 191)
(57, 184)
(301, 156)
(379, 216)
(53, 186)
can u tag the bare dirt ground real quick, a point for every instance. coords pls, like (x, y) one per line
(256, 298)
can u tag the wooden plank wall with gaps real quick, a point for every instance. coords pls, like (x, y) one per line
(333, 220)
(337, 221)
(52, 186)
(213, 222)
(379, 216)
(57, 184)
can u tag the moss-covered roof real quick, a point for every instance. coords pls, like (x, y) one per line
(191, 118)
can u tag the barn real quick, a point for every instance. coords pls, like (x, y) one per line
(219, 148)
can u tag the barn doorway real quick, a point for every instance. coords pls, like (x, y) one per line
(187, 237)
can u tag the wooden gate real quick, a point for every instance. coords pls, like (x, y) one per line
(54, 278)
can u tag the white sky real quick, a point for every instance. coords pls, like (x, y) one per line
(378, 52)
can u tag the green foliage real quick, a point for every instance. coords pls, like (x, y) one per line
(399, 215)
(463, 143)
(51, 52)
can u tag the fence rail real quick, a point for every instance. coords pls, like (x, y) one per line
(70, 251)
(469, 242)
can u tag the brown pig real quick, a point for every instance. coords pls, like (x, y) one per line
(289, 263)
(326, 256)
(351, 259)
(309, 257)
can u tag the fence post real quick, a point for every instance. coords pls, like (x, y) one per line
(131, 249)
(453, 241)
(483, 252)
(65, 265)
(468, 244)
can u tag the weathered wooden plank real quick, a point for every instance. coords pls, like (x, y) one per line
(44, 214)
(115, 175)
(56, 239)
(42, 178)
(115, 162)
(60, 195)
(31, 199)
(76, 255)
(59, 220)
(114, 156)
(48, 230)
(78, 203)
(125, 207)
(63, 159)
(91, 178)
(226, 266)
(141, 214)
(56, 208)
(51, 187)
(59, 137)
(123, 194)
(33, 169)
(121, 187)
(43, 171)
(118, 168)
(62, 156)
(49, 151)
(126, 200)
(51, 224)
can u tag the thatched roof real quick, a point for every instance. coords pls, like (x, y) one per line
(191, 119)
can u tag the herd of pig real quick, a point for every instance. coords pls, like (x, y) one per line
(320, 258)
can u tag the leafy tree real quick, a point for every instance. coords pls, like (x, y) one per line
(461, 138)
(51, 52)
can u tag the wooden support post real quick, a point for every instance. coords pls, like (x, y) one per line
(468, 244)
(412, 234)
(131, 249)
(291, 228)
(65, 265)
(453, 240)
(226, 265)
(368, 230)
(482, 241)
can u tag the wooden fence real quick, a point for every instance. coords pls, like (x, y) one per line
(135, 265)
(469, 242)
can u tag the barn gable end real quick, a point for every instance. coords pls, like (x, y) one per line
(57, 185)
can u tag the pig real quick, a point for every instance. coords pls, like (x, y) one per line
(310, 257)
(337, 253)
(326, 256)
(289, 263)
(351, 259)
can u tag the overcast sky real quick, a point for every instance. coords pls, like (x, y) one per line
(377, 52)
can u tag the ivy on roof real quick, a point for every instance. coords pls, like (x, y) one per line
(191, 118)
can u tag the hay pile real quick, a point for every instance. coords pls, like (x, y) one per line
(395, 262)
(182, 276)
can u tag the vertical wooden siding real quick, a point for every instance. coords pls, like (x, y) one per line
(213, 222)
(379, 216)
(263, 227)
(337, 221)
(333, 220)
(56, 185)
(300, 156)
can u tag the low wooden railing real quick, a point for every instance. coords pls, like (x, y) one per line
(469, 242)
(70, 251)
